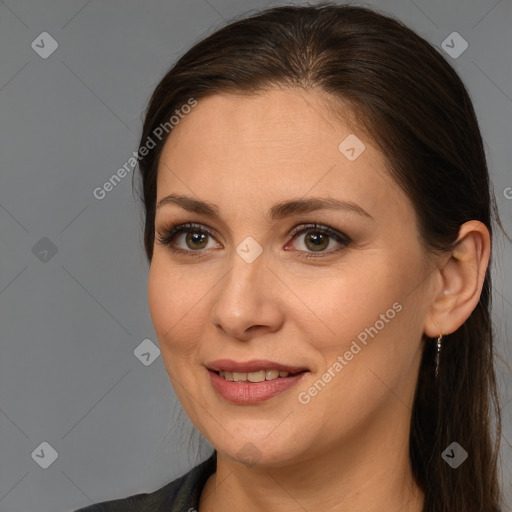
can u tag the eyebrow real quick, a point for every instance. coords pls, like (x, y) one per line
(278, 211)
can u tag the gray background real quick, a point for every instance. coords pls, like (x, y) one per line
(71, 321)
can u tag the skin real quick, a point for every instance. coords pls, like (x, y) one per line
(350, 442)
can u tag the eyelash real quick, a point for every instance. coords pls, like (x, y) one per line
(168, 234)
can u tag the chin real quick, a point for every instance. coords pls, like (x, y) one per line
(261, 453)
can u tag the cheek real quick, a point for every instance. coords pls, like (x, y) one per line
(159, 295)
(375, 343)
(175, 304)
(175, 309)
(166, 306)
(344, 302)
(369, 319)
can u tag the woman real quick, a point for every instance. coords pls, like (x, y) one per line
(318, 227)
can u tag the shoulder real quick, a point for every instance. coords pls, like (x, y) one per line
(178, 495)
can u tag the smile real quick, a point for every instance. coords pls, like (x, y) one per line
(258, 376)
(246, 392)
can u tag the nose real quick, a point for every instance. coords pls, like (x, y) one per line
(247, 302)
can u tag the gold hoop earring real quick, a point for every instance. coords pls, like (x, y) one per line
(438, 353)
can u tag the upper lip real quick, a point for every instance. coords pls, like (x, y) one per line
(252, 366)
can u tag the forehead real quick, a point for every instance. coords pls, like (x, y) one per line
(280, 118)
(283, 140)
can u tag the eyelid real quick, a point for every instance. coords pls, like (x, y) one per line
(301, 228)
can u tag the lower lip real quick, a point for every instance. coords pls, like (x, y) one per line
(252, 392)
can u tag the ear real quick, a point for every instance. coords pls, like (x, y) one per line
(461, 279)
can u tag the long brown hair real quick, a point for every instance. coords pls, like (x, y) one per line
(419, 113)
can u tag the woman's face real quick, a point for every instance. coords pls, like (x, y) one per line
(351, 314)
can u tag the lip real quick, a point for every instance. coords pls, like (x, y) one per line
(254, 365)
(246, 393)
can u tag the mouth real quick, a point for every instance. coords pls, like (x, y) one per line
(253, 381)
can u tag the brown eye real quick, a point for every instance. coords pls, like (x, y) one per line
(318, 238)
(196, 238)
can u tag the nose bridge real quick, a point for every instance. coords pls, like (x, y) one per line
(248, 263)
(243, 300)
(241, 283)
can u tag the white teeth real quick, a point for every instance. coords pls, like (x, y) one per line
(258, 376)
(271, 374)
